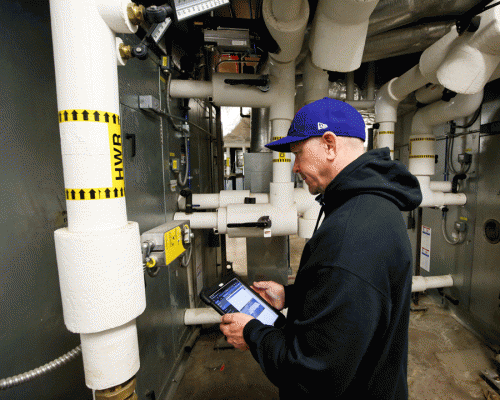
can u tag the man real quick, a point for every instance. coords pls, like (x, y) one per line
(346, 333)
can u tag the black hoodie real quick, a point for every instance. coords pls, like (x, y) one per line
(348, 311)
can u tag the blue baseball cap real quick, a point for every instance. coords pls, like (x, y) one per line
(318, 117)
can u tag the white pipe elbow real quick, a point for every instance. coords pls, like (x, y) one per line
(386, 104)
(339, 33)
(432, 198)
(288, 30)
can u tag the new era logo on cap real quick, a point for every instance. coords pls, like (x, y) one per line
(315, 118)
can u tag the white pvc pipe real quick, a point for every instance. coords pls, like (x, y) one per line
(362, 104)
(440, 112)
(469, 64)
(201, 220)
(431, 198)
(440, 186)
(201, 316)
(315, 82)
(421, 283)
(211, 201)
(429, 93)
(339, 33)
(286, 22)
(190, 89)
(110, 357)
(98, 255)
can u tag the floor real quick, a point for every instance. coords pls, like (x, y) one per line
(445, 359)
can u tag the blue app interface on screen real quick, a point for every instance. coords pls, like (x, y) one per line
(235, 297)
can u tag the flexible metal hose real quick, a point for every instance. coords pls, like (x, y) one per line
(7, 383)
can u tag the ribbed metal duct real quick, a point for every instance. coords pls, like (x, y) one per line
(404, 41)
(392, 14)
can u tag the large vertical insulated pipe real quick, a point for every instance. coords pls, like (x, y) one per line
(98, 255)
(339, 33)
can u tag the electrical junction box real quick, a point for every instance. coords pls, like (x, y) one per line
(166, 242)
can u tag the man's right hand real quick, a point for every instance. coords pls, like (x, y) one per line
(272, 292)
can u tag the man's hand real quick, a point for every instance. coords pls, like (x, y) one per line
(232, 327)
(272, 292)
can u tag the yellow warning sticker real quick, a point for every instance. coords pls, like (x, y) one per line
(116, 154)
(426, 139)
(173, 244)
(282, 158)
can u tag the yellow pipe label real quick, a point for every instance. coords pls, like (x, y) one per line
(116, 154)
(424, 156)
(173, 244)
(385, 133)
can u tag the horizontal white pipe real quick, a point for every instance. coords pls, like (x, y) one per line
(339, 33)
(362, 104)
(440, 112)
(286, 22)
(421, 283)
(199, 220)
(440, 186)
(115, 14)
(430, 93)
(201, 316)
(431, 198)
(190, 89)
(211, 201)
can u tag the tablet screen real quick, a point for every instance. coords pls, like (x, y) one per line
(235, 297)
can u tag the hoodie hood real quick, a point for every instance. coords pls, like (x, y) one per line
(375, 173)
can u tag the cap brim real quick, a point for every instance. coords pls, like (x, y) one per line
(283, 144)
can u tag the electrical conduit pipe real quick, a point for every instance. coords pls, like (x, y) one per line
(422, 145)
(99, 257)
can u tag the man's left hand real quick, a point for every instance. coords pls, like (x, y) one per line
(232, 327)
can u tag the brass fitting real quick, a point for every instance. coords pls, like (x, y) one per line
(125, 391)
(125, 51)
(135, 13)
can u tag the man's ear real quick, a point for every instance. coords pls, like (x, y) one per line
(330, 140)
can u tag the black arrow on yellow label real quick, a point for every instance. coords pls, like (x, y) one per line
(65, 115)
(85, 115)
(108, 192)
(92, 194)
(106, 117)
(75, 115)
(96, 116)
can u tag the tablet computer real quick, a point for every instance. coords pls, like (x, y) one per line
(233, 296)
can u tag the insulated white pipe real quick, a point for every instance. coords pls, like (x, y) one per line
(339, 33)
(421, 283)
(470, 63)
(201, 220)
(431, 198)
(315, 82)
(286, 21)
(441, 186)
(284, 220)
(190, 89)
(99, 255)
(211, 201)
(388, 98)
(201, 316)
